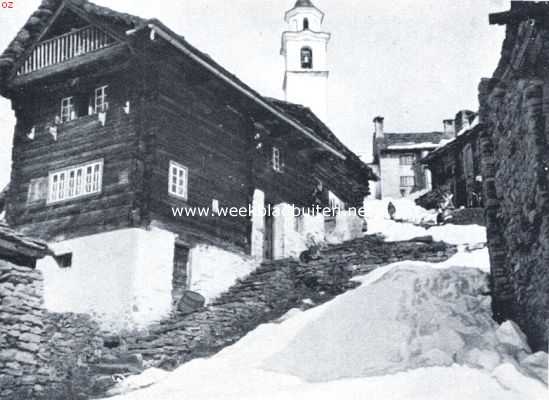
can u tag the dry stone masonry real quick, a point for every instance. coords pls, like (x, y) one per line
(514, 105)
(21, 331)
(54, 356)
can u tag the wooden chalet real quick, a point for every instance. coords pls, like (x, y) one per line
(119, 119)
(456, 166)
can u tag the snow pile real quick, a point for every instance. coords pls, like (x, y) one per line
(411, 331)
(410, 318)
(439, 317)
(406, 210)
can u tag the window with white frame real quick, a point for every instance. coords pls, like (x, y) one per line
(74, 182)
(407, 181)
(407, 159)
(277, 159)
(100, 100)
(68, 110)
(178, 180)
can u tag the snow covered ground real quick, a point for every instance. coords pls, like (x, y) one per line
(411, 331)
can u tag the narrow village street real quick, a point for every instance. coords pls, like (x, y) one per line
(411, 330)
(258, 200)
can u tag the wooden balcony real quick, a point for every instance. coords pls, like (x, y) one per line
(65, 47)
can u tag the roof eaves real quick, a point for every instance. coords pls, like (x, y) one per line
(448, 146)
(219, 71)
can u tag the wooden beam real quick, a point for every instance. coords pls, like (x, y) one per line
(520, 11)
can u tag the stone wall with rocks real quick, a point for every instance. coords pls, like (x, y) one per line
(514, 106)
(55, 356)
(271, 291)
(468, 216)
(21, 331)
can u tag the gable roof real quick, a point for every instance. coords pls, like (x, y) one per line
(409, 141)
(40, 20)
(453, 144)
(299, 117)
(127, 24)
(307, 118)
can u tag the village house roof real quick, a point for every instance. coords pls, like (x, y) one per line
(453, 144)
(127, 24)
(409, 141)
(413, 140)
(306, 117)
(16, 246)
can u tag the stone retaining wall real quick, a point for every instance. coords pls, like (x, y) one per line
(515, 159)
(66, 356)
(269, 292)
(21, 332)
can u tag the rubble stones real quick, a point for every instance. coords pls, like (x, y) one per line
(57, 356)
(513, 109)
(20, 329)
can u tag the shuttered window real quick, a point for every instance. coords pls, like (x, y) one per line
(74, 182)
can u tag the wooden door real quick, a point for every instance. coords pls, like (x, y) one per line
(268, 242)
(179, 279)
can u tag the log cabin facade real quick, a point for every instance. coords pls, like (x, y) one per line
(119, 121)
(455, 167)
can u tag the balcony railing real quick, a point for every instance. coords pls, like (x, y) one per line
(65, 47)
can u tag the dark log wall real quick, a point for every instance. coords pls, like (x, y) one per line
(178, 111)
(78, 141)
(194, 126)
(514, 107)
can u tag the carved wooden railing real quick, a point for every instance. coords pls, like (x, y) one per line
(65, 47)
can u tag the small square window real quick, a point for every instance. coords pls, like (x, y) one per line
(407, 181)
(64, 260)
(407, 159)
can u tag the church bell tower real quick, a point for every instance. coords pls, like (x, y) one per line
(305, 48)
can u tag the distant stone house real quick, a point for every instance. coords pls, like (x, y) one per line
(121, 121)
(514, 110)
(455, 166)
(396, 159)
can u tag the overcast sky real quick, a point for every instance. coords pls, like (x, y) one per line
(416, 62)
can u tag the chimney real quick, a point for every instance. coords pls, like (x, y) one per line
(449, 129)
(462, 120)
(378, 123)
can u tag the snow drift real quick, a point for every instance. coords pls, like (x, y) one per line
(410, 318)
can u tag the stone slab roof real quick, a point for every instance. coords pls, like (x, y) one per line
(453, 145)
(15, 244)
(416, 140)
(306, 117)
